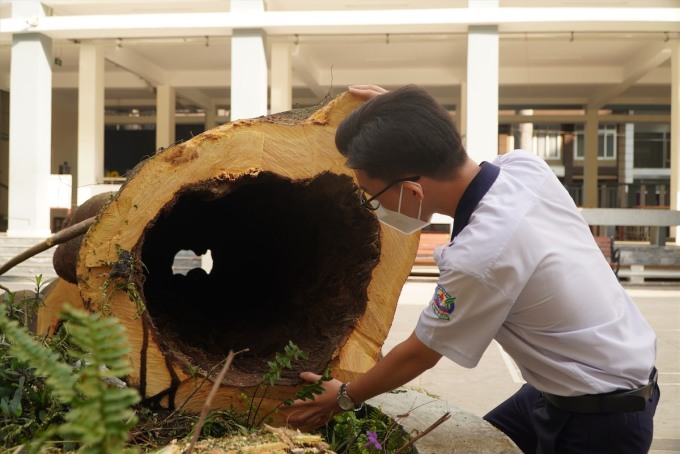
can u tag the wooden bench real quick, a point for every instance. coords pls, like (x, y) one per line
(611, 253)
(424, 264)
(428, 243)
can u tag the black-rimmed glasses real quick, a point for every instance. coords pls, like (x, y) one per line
(371, 201)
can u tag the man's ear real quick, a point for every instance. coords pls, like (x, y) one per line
(414, 189)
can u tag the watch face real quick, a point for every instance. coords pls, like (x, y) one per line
(345, 402)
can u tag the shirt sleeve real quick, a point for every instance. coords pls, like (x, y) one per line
(463, 316)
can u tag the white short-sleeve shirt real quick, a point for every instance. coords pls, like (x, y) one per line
(523, 268)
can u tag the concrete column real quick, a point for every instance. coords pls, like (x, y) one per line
(281, 78)
(675, 135)
(482, 93)
(248, 66)
(526, 132)
(461, 113)
(210, 120)
(625, 165)
(590, 176)
(165, 116)
(30, 130)
(626, 170)
(90, 168)
(4, 157)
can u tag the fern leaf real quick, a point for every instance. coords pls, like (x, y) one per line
(58, 376)
(101, 420)
(102, 338)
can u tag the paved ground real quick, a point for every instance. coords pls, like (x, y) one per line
(480, 389)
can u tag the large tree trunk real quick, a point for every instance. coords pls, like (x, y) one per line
(295, 258)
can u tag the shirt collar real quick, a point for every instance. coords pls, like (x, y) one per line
(479, 186)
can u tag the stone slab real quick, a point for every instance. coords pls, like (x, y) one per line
(650, 255)
(462, 433)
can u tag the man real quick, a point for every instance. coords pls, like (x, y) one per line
(522, 268)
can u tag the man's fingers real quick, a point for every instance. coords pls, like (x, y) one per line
(310, 376)
(310, 418)
(319, 410)
(367, 91)
(374, 88)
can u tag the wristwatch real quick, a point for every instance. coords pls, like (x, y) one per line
(344, 401)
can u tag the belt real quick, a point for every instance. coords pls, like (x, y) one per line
(635, 400)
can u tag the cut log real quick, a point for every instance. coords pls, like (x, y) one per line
(295, 258)
(57, 294)
(66, 255)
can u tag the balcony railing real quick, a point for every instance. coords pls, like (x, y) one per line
(635, 195)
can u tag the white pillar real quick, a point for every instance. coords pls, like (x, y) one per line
(461, 113)
(210, 120)
(591, 146)
(675, 135)
(482, 93)
(625, 165)
(248, 66)
(526, 132)
(90, 168)
(30, 131)
(165, 116)
(281, 78)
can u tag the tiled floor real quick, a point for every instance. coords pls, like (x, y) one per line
(480, 389)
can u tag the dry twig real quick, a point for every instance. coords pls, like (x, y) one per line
(62, 236)
(434, 425)
(208, 401)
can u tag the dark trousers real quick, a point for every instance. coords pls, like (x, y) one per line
(538, 427)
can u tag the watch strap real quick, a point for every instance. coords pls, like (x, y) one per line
(343, 392)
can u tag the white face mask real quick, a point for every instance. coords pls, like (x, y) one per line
(395, 219)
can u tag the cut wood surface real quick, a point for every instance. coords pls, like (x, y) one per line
(294, 258)
(57, 294)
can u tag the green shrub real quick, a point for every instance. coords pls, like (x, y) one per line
(43, 397)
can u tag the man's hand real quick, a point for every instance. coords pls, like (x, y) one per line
(366, 91)
(317, 412)
(402, 364)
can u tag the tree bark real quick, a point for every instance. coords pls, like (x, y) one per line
(295, 258)
(66, 255)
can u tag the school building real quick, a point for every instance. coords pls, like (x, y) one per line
(89, 88)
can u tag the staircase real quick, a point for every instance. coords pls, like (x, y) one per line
(42, 263)
(29, 269)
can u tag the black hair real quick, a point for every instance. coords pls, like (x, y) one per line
(402, 132)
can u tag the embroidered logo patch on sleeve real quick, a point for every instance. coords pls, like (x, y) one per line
(443, 303)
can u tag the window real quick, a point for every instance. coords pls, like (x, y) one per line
(547, 142)
(652, 146)
(606, 148)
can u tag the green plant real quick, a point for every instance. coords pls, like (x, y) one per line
(282, 361)
(98, 417)
(366, 431)
(104, 349)
(27, 306)
(121, 277)
(28, 406)
(52, 391)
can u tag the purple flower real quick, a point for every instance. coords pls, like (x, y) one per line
(373, 440)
